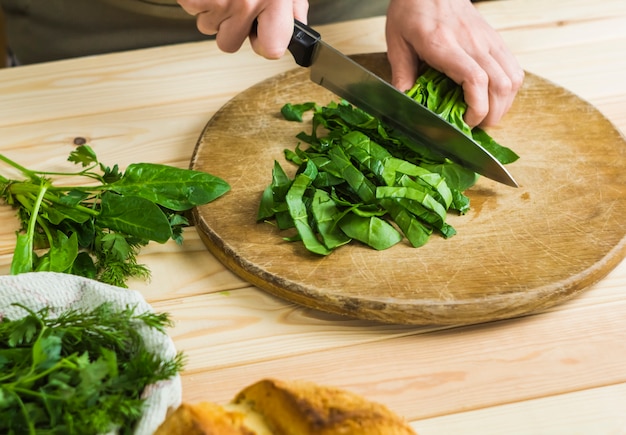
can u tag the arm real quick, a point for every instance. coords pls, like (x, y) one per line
(451, 36)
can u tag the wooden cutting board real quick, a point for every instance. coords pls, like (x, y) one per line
(517, 251)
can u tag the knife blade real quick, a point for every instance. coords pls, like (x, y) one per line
(364, 89)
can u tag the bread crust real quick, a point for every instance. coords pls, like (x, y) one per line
(305, 408)
(272, 406)
(203, 418)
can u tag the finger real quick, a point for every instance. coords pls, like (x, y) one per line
(274, 30)
(192, 7)
(505, 58)
(503, 88)
(232, 32)
(476, 94)
(500, 98)
(301, 10)
(403, 61)
(453, 61)
(500, 91)
(208, 23)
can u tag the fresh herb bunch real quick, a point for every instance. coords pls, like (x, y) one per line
(82, 372)
(96, 230)
(360, 176)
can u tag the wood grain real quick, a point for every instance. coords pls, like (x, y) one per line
(516, 251)
(151, 105)
(598, 410)
(451, 371)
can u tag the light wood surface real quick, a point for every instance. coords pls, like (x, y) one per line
(558, 372)
(517, 251)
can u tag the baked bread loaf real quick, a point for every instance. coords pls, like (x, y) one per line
(274, 407)
(203, 419)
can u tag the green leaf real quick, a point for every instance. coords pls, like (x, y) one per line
(63, 252)
(412, 194)
(299, 214)
(416, 233)
(72, 198)
(456, 176)
(266, 206)
(363, 187)
(83, 155)
(503, 154)
(174, 188)
(23, 331)
(46, 351)
(22, 255)
(135, 216)
(280, 181)
(110, 175)
(84, 266)
(326, 215)
(460, 202)
(294, 112)
(116, 245)
(177, 222)
(57, 213)
(373, 231)
(280, 186)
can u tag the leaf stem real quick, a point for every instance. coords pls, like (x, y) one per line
(30, 232)
(24, 190)
(29, 422)
(16, 165)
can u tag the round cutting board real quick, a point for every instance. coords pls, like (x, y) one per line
(517, 251)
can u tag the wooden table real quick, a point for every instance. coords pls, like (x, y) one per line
(561, 371)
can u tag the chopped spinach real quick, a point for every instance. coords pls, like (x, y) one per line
(358, 179)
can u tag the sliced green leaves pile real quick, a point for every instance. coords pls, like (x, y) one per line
(82, 372)
(96, 229)
(358, 179)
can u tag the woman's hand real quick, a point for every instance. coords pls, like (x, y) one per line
(452, 37)
(449, 35)
(232, 20)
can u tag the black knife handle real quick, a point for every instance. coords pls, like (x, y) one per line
(302, 44)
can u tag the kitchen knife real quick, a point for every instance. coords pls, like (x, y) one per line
(354, 83)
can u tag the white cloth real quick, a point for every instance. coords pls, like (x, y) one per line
(61, 292)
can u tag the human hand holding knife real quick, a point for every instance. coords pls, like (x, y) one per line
(350, 81)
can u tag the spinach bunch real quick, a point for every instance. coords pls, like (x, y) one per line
(82, 372)
(96, 229)
(445, 98)
(361, 180)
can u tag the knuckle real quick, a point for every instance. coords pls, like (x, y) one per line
(481, 111)
(272, 52)
(501, 85)
(517, 78)
(205, 27)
